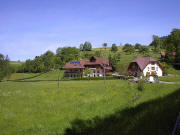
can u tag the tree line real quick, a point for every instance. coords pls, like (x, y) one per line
(52, 61)
(5, 68)
(171, 46)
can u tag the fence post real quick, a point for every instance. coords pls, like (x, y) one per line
(176, 130)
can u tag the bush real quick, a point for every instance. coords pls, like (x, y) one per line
(5, 67)
(90, 78)
(114, 48)
(141, 85)
(121, 69)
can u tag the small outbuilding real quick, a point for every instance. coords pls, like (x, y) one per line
(145, 66)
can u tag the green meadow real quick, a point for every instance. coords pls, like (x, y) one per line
(32, 104)
(85, 107)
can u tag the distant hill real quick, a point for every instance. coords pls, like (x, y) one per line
(125, 58)
(16, 62)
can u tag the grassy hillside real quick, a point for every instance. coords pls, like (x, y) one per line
(49, 76)
(81, 107)
(125, 58)
(16, 62)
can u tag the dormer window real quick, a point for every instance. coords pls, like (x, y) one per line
(152, 68)
(92, 59)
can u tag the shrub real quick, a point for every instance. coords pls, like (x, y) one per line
(141, 85)
(121, 69)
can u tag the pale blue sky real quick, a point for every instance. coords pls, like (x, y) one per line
(30, 27)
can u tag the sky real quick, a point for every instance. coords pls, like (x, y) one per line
(29, 28)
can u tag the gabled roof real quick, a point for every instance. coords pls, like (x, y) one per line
(82, 63)
(99, 61)
(74, 65)
(144, 61)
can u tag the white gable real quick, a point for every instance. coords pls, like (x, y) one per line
(153, 68)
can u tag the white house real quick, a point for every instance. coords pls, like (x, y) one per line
(145, 66)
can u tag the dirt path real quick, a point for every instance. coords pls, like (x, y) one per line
(169, 82)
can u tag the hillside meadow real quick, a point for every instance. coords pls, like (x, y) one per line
(86, 107)
(32, 104)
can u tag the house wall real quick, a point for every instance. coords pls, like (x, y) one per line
(73, 73)
(134, 69)
(95, 73)
(153, 68)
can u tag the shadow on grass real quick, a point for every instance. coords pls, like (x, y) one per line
(66, 79)
(156, 117)
(22, 79)
(32, 80)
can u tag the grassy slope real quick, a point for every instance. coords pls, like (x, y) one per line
(41, 108)
(125, 58)
(170, 79)
(119, 108)
(173, 71)
(49, 76)
(16, 62)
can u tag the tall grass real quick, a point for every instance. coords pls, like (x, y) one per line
(42, 108)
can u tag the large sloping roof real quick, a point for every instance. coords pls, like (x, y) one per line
(82, 63)
(74, 65)
(99, 61)
(143, 61)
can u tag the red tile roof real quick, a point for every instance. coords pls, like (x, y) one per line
(171, 53)
(163, 54)
(82, 63)
(74, 65)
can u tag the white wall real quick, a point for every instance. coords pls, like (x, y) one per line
(157, 69)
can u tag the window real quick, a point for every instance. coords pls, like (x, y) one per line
(152, 68)
(156, 68)
(152, 63)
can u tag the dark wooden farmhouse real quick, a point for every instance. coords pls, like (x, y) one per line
(145, 66)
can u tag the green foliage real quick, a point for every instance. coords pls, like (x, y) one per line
(81, 47)
(144, 50)
(48, 59)
(97, 53)
(137, 46)
(170, 43)
(128, 48)
(121, 69)
(87, 46)
(114, 59)
(87, 72)
(105, 45)
(156, 41)
(5, 68)
(170, 79)
(43, 63)
(114, 48)
(175, 39)
(87, 54)
(67, 54)
(141, 85)
(118, 108)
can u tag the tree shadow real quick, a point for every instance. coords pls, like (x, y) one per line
(66, 79)
(22, 79)
(34, 80)
(155, 117)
